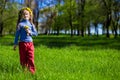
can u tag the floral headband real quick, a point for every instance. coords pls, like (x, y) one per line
(28, 9)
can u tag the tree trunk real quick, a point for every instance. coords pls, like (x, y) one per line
(115, 29)
(89, 31)
(36, 17)
(96, 29)
(119, 30)
(65, 31)
(115, 23)
(58, 30)
(1, 28)
(78, 32)
(70, 18)
(46, 31)
(108, 15)
(107, 25)
(82, 32)
(71, 27)
(82, 27)
(81, 5)
(103, 28)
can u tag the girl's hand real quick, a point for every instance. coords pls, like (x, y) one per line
(14, 48)
(28, 31)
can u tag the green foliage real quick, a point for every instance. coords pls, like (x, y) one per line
(10, 20)
(69, 8)
(9, 16)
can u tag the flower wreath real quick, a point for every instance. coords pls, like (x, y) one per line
(28, 9)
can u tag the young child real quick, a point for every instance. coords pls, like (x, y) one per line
(25, 30)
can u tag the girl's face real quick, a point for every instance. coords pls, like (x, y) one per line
(26, 15)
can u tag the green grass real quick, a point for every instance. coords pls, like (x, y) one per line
(64, 58)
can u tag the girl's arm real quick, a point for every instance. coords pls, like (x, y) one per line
(33, 31)
(17, 35)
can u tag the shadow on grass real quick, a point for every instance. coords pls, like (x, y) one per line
(84, 43)
(65, 41)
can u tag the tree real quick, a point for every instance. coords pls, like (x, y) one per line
(106, 5)
(115, 16)
(70, 11)
(7, 17)
(111, 11)
(2, 8)
(81, 5)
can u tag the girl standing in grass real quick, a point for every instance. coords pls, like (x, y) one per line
(25, 30)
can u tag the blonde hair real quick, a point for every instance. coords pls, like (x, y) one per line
(21, 12)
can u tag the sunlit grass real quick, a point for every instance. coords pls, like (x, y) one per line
(64, 58)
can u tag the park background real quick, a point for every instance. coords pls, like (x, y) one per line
(78, 39)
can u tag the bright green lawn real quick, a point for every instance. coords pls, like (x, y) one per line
(64, 58)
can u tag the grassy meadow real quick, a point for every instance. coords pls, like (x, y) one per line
(64, 58)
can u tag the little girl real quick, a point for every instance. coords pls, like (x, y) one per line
(25, 30)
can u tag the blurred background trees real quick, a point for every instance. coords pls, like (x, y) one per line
(8, 17)
(74, 17)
